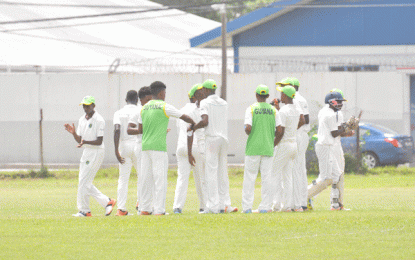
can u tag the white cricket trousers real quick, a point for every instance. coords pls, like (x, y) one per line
(328, 166)
(130, 153)
(216, 171)
(300, 172)
(154, 166)
(90, 162)
(339, 156)
(284, 156)
(253, 164)
(183, 173)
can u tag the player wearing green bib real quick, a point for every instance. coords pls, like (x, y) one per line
(261, 121)
(153, 122)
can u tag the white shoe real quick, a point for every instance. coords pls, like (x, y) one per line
(81, 214)
(109, 207)
(230, 209)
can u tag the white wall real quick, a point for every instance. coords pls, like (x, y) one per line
(383, 96)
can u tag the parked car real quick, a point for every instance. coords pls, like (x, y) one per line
(380, 146)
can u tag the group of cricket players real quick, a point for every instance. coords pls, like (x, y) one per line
(276, 146)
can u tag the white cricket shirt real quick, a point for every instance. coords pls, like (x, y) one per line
(122, 117)
(91, 129)
(189, 109)
(134, 120)
(248, 117)
(290, 116)
(217, 111)
(304, 107)
(326, 124)
(340, 121)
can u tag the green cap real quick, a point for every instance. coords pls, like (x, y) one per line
(337, 90)
(194, 88)
(287, 90)
(210, 84)
(262, 90)
(88, 100)
(289, 81)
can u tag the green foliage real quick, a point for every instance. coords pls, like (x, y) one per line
(392, 170)
(352, 163)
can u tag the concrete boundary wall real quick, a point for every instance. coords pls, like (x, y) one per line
(383, 96)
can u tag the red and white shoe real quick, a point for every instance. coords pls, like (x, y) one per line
(230, 209)
(82, 214)
(121, 212)
(110, 207)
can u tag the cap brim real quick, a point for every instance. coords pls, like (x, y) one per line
(86, 103)
(279, 89)
(282, 84)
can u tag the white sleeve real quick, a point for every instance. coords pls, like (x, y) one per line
(139, 119)
(283, 117)
(304, 106)
(332, 123)
(298, 106)
(340, 118)
(172, 111)
(203, 108)
(116, 120)
(248, 116)
(100, 128)
(78, 129)
(278, 121)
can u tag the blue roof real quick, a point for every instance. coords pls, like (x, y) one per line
(242, 21)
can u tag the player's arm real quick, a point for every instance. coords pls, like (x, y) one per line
(248, 129)
(134, 130)
(301, 122)
(71, 129)
(341, 129)
(203, 123)
(97, 142)
(279, 133)
(187, 119)
(307, 119)
(192, 160)
(117, 133)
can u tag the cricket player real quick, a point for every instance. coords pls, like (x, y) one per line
(328, 130)
(338, 153)
(125, 151)
(90, 134)
(299, 170)
(190, 152)
(286, 150)
(153, 122)
(214, 111)
(262, 121)
(144, 95)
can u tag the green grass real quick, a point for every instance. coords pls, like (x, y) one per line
(36, 223)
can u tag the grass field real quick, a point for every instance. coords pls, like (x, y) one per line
(36, 223)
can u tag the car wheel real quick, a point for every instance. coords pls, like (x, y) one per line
(370, 160)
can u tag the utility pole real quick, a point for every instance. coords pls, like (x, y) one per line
(224, 57)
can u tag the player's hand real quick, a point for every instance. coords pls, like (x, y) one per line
(80, 144)
(70, 128)
(192, 160)
(119, 158)
(168, 130)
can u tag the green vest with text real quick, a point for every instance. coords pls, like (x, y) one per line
(155, 122)
(261, 138)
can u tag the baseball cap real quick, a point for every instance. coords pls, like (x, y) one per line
(287, 90)
(262, 90)
(289, 81)
(194, 88)
(337, 90)
(210, 84)
(87, 100)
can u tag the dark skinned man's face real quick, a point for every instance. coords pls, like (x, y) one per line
(89, 108)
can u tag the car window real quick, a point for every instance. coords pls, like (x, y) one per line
(383, 129)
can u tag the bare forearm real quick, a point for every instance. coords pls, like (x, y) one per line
(248, 129)
(77, 138)
(189, 144)
(95, 142)
(116, 140)
(301, 122)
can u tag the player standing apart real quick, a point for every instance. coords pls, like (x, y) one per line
(214, 111)
(285, 150)
(328, 130)
(299, 170)
(153, 123)
(186, 148)
(90, 134)
(261, 120)
(144, 95)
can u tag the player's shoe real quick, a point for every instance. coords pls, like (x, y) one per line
(201, 211)
(82, 214)
(265, 211)
(335, 208)
(310, 204)
(299, 209)
(275, 208)
(248, 211)
(343, 208)
(121, 212)
(304, 208)
(136, 206)
(145, 213)
(161, 214)
(177, 211)
(109, 207)
(222, 211)
(230, 209)
(287, 210)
